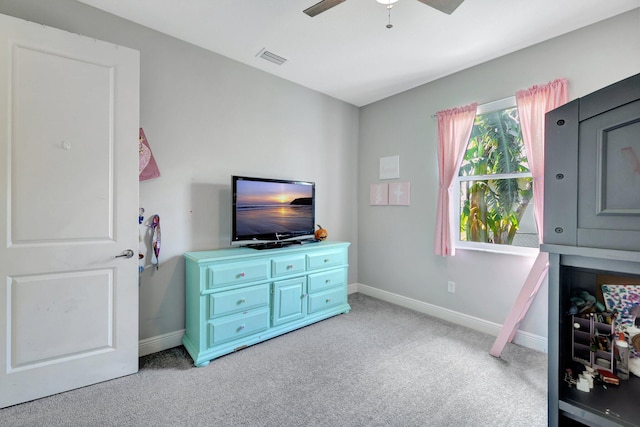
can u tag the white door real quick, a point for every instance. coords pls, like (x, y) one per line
(68, 205)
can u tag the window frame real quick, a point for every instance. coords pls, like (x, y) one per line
(489, 107)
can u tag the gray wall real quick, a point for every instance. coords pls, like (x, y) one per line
(396, 243)
(208, 117)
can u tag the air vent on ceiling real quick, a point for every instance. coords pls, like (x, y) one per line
(271, 57)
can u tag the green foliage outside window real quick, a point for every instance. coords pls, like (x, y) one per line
(492, 204)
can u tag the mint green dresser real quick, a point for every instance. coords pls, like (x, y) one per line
(237, 297)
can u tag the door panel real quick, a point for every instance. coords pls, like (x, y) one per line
(68, 205)
(80, 305)
(69, 143)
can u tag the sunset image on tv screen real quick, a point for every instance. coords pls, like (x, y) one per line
(264, 207)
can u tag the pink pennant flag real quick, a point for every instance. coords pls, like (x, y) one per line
(147, 167)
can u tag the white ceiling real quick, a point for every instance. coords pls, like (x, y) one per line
(347, 52)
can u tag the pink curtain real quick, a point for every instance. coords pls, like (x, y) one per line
(454, 130)
(533, 104)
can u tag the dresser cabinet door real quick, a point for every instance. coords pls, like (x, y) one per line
(288, 300)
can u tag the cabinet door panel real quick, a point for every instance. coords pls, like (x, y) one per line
(288, 300)
(609, 161)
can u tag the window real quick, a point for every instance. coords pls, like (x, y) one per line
(495, 210)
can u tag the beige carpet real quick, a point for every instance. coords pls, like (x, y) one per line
(379, 365)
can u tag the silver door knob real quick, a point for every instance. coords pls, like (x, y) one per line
(126, 254)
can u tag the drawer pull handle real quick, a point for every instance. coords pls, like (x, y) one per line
(242, 301)
(241, 327)
(289, 267)
(326, 260)
(327, 281)
(242, 274)
(328, 300)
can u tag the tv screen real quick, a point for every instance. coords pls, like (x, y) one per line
(271, 211)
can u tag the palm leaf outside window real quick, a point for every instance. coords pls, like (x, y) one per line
(495, 181)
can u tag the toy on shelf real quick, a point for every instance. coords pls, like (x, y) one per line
(583, 304)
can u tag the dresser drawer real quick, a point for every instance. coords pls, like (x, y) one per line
(325, 280)
(236, 273)
(288, 265)
(236, 326)
(326, 259)
(243, 299)
(326, 299)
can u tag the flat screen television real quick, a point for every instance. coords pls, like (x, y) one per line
(271, 212)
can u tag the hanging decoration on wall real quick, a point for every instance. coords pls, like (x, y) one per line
(155, 240)
(400, 193)
(393, 193)
(390, 167)
(379, 194)
(147, 167)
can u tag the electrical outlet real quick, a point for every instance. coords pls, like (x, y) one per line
(451, 287)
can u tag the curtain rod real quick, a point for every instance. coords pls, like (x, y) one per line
(491, 104)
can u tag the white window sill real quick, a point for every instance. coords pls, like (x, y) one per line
(498, 249)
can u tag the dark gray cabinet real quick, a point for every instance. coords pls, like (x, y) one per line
(592, 233)
(592, 170)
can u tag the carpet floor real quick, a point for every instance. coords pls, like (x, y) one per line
(379, 365)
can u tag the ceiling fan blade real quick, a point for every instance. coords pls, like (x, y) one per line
(321, 7)
(446, 6)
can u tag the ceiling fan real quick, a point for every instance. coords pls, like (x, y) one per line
(446, 6)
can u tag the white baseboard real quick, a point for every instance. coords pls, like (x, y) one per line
(352, 288)
(522, 338)
(525, 339)
(160, 342)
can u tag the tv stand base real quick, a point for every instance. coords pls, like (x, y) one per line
(275, 245)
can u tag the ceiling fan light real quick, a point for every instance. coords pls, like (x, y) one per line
(387, 2)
